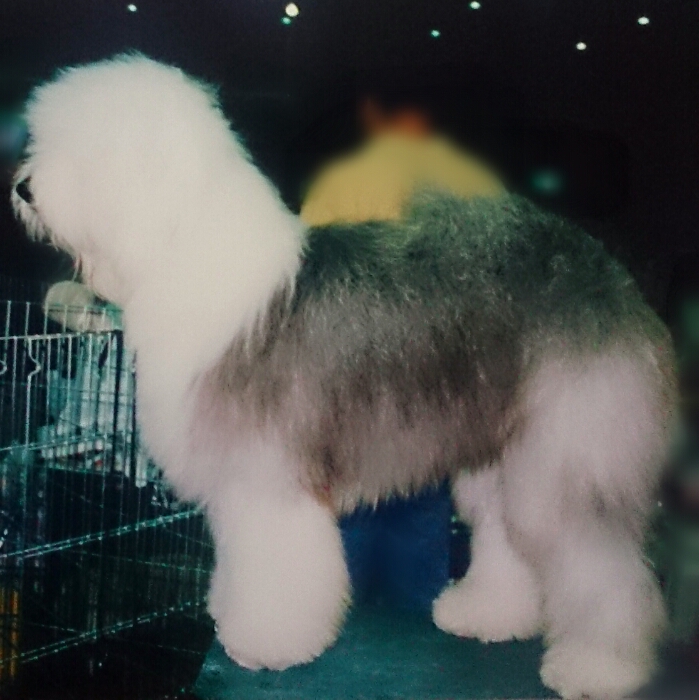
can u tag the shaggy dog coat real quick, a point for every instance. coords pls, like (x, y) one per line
(303, 372)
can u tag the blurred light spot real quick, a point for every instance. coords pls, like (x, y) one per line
(292, 10)
(581, 46)
(547, 181)
(13, 136)
(435, 33)
(132, 8)
(286, 20)
(643, 20)
(475, 5)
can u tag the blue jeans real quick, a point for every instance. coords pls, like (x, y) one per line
(400, 551)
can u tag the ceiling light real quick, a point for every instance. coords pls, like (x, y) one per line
(643, 20)
(286, 20)
(292, 10)
(132, 8)
(581, 46)
(435, 33)
(475, 5)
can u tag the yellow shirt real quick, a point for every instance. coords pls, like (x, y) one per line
(375, 182)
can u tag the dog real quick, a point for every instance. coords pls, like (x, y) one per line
(287, 375)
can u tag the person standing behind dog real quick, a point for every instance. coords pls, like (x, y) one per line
(401, 152)
(401, 549)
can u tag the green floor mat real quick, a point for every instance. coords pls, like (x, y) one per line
(384, 654)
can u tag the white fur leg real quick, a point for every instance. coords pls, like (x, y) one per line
(572, 669)
(280, 588)
(574, 487)
(605, 615)
(499, 597)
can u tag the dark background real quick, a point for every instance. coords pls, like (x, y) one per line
(619, 122)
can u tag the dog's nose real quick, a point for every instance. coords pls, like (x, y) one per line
(23, 191)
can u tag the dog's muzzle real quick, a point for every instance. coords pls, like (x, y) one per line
(23, 191)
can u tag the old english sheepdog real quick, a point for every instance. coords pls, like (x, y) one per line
(287, 375)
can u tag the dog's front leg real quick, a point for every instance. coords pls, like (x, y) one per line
(280, 587)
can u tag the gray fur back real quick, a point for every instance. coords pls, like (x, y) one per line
(401, 354)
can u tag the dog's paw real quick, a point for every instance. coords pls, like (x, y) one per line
(280, 589)
(575, 671)
(278, 646)
(275, 627)
(487, 613)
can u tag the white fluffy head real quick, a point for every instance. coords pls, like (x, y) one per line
(133, 169)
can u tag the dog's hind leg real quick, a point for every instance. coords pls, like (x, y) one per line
(578, 484)
(499, 597)
(280, 587)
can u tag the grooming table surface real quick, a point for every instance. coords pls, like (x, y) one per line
(384, 654)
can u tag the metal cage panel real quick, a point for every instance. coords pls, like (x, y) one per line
(92, 541)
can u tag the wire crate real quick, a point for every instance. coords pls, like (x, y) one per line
(96, 554)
